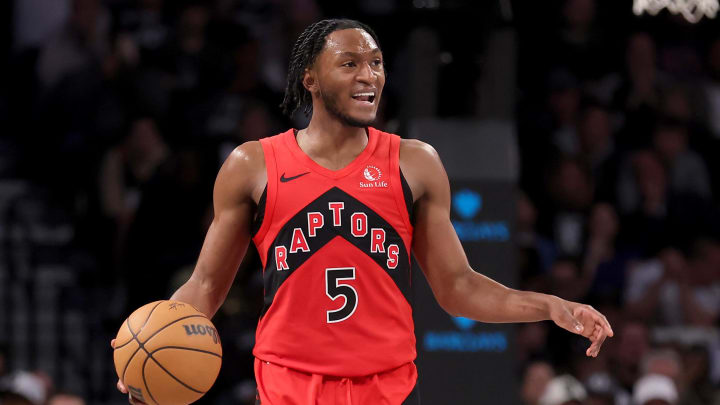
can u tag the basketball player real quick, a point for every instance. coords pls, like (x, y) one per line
(335, 210)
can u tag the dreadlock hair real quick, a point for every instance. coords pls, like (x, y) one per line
(303, 55)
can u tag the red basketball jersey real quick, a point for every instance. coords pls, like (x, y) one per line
(335, 248)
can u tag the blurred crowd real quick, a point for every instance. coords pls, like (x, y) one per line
(119, 113)
(618, 125)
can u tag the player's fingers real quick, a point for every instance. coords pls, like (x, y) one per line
(602, 320)
(593, 341)
(121, 387)
(112, 343)
(597, 339)
(596, 316)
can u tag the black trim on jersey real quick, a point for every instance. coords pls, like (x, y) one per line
(260, 213)
(407, 193)
(273, 278)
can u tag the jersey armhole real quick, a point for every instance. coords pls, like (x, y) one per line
(407, 194)
(403, 194)
(266, 205)
(259, 213)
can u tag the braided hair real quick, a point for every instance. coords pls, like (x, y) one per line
(303, 55)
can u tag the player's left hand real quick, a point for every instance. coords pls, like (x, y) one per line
(583, 320)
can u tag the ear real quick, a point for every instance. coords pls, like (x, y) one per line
(310, 81)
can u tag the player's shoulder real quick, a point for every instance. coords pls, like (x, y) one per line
(246, 158)
(414, 151)
(421, 166)
(243, 171)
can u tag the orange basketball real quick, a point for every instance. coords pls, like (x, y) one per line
(167, 353)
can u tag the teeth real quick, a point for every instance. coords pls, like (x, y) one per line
(363, 94)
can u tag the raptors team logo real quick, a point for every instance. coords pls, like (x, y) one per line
(373, 175)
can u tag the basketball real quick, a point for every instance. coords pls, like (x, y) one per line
(167, 353)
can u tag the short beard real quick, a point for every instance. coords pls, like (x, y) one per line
(331, 105)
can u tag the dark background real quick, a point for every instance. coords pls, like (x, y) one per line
(116, 115)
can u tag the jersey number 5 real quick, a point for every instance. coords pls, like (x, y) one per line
(334, 289)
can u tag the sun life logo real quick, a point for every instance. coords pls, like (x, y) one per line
(372, 173)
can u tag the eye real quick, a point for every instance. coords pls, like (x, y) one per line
(348, 64)
(377, 62)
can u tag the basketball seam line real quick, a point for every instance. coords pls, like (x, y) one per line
(134, 336)
(147, 388)
(136, 350)
(149, 315)
(140, 344)
(168, 373)
(187, 348)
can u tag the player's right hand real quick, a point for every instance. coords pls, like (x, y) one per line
(122, 388)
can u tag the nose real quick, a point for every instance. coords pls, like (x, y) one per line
(366, 74)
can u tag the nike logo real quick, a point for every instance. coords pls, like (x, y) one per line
(286, 179)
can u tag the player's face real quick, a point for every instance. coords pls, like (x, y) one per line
(350, 76)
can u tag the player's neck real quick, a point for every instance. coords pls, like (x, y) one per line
(331, 136)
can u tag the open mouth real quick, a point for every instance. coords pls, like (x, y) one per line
(368, 97)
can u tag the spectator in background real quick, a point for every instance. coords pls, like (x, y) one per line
(654, 215)
(686, 170)
(254, 122)
(695, 386)
(125, 170)
(32, 386)
(677, 105)
(628, 351)
(566, 281)
(564, 390)
(537, 376)
(655, 389)
(171, 220)
(82, 43)
(190, 55)
(535, 252)
(603, 390)
(531, 342)
(145, 23)
(571, 191)
(553, 130)
(244, 92)
(597, 149)
(674, 291)
(604, 263)
(579, 44)
(639, 95)
(564, 105)
(665, 362)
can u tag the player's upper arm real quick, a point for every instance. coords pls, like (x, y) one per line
(435, 243)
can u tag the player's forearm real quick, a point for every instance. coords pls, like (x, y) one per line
(203, 296)
(481, 298)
